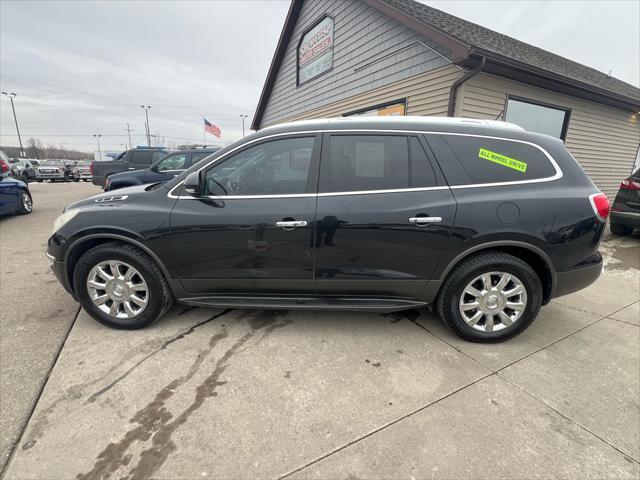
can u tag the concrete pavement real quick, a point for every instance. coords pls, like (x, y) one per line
(35, 313)
(245, 394)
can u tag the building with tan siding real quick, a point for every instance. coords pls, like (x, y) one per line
(400, 57)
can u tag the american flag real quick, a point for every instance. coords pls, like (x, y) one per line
(211, 128)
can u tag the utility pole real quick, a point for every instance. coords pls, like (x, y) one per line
(11, 96)
(129, 132)
(146, 112)
(243, 117)
(98, 140)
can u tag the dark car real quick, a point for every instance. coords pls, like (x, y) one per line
(482, 220)
(164, 169)
(134, 159)
(625, 212)
(14, 194)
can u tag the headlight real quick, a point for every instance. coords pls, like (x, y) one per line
(63, 219)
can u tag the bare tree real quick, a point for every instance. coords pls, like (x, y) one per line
(35, 148)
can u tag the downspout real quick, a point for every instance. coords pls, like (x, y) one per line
(454, 88)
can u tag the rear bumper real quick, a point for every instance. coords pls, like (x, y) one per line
(630, 219)
(579, 278)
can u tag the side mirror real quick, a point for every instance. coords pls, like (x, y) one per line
(192, 184)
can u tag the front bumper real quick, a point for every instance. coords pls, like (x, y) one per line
(629, 219)
(49, 176)
(59, 270)
(579, 278)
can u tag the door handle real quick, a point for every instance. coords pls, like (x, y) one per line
(424, 220)
(291, 224)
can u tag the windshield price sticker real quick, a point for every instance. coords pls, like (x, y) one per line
(503, 160)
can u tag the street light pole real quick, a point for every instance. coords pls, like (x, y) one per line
(146, 112)
(243, 117)
(11, 97)
(129, 132)
(98, 140)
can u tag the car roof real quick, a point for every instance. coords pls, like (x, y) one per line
(418, 124)
(205, 149)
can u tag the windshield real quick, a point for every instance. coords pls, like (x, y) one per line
(52, 162)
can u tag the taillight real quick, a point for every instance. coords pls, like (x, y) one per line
(601, 205)
(91, 168)
(629, 184)
(4, 166)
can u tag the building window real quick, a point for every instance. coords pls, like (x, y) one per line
(315, 50)
(538, 116)
(390, 109)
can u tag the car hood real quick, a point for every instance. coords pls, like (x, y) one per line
(109, 199)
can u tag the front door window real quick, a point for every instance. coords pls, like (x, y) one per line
(278, 167)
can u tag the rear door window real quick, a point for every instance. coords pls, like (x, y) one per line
(140, 158)
(490, 160)
(374, 162)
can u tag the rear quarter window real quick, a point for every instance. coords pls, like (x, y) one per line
(490, 160)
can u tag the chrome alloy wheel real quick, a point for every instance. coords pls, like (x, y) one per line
(493, 301)
(118, 289)
(27, 203)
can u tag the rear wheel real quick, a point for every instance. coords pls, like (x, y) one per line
(25, 206)
(619, 229)
(490, 297)
(121, 286)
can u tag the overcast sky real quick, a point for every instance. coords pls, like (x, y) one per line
(81, 68)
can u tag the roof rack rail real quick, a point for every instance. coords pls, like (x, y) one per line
(407, 119)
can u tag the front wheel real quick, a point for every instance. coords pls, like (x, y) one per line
(76, 179)
(490, 297)
(121, 286)
(25, 206)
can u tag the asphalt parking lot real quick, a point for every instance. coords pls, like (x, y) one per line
(259, 394)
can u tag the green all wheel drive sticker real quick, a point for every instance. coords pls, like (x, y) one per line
(503, 160)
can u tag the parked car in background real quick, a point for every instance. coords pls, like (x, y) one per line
(376, 214)
(133, 159)
(23, 169)
(164, 169)
(625, 212)
(82, 171)
(14, 194)
(54, 170)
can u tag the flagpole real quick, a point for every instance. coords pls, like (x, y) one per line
(203, 132)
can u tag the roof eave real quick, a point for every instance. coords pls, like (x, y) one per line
(509, 68)
(283, 41)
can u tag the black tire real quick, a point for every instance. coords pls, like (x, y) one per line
(619, 229)
(39, 180)
(159, 298)
(66, 178)
(465, 272)
(25, 205)
(76, 180)
(25, 178)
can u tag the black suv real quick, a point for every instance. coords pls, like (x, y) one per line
(480, 219)
(625, 213)
(164, 169)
